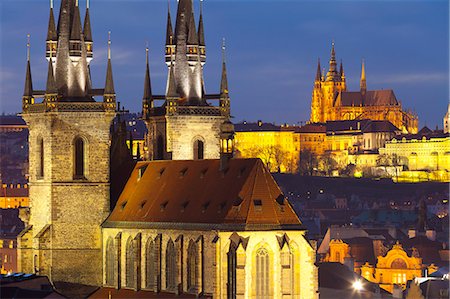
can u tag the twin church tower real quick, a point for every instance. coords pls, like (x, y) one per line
(69, 137)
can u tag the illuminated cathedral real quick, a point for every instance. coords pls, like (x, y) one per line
(332, 101)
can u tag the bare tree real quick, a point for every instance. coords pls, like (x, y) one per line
(308, 162)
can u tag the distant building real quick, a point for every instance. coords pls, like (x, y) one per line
(331, 101)
(14, 196)
(10, 227)
(277, 146)
(447, 120)
(313, 138)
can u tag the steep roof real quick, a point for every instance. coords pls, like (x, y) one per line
(380, 126)
(371, 98)
(198, 192)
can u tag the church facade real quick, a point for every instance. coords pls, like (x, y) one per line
(197, 222)
(332, 101)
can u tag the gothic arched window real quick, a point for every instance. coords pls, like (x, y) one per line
(171, 266)
(199, 148)
(40, 170)
(130, 280)
(79, 158)
(150, 264)
(262, 274)
(231, 294)
(110, 261)
(192, 269)
(159, 154)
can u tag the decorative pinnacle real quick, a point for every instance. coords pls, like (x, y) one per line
(28, 47)
(51, 4)
(109, 44)
(146, 52)
(223, 49)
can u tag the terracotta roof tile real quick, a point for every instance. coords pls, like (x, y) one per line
(198, 192)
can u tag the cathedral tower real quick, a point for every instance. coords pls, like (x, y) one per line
(69, 156)
(187, 125)
(325, 89)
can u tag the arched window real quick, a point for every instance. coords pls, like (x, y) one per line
(150, 265)
(79, 158)
(192, 269)
(110, 260)
(171, 266)
(231, 294)
(262, 274)
(159, 155)
(199, 150)
(40, 170)
(130, 280)
(398, 263)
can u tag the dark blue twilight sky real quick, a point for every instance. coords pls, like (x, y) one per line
(272, 50)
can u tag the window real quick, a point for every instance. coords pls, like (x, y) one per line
(398, 263)
(150, 265)
(130, 281)
(198, 150)
(399, 278)
(192, 269)
(262, 273)
(110, 260)
(40, 173)
(231, 294)
(79, 158)
(171, 266)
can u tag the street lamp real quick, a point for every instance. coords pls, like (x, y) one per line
(358, 286)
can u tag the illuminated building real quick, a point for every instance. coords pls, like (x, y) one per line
(187, 125)
(175, 230)
(14, 196)
(331, 100)
(426, 154)
(312, 138)
(277, 146)
(69, 146)
(446, 120)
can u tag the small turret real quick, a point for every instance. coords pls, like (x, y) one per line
(51, 92)
(87, 32)
(172, 95)
(363, 84)
(52, 37)
(109, 96)
(147, 99)
(75, 41)
(28, 98)
(170, 42)
(201, 36)
(318, 72)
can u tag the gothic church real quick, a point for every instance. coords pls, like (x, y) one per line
(191, 220)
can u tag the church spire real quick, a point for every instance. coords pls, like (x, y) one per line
(51, 31)
(109, 93)
(224, 80)
(319, 71)
(201, 36)
(363, 84)
(341, 71)
(147, 100)
(28, 90)
(51, 84)
(75, 33)
(171, 92)
(87, 25)
(332, 74)
(169, 30)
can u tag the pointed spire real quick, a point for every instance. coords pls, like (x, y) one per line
(319, 72)
(75, 34)
(192, 34)
(201, 31)
(28, 90)
(224, 80)
(51, 83)
(171, 84)
(363, 84)
(109, 84)
(147, 83)
(51, 32)
(169, 30)
(333, 52)
(87, 25)
(341, 69)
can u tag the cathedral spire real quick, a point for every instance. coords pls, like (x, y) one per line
(319, 71)
(51, 84)
(169, 30)
(28, 90)
(87, 25)
(201, 31)
(147, 82)
(332, 74)
(363, 84)
(109, 84)
(341, 71)
(224, 80)
(51, 31)
(75, 33)
(171, 91)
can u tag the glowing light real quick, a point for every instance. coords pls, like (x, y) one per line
(358, 286)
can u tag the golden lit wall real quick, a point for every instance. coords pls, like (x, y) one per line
(315, 142)
(277, 149)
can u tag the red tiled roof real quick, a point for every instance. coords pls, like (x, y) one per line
(198, 192)
(371, 98)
